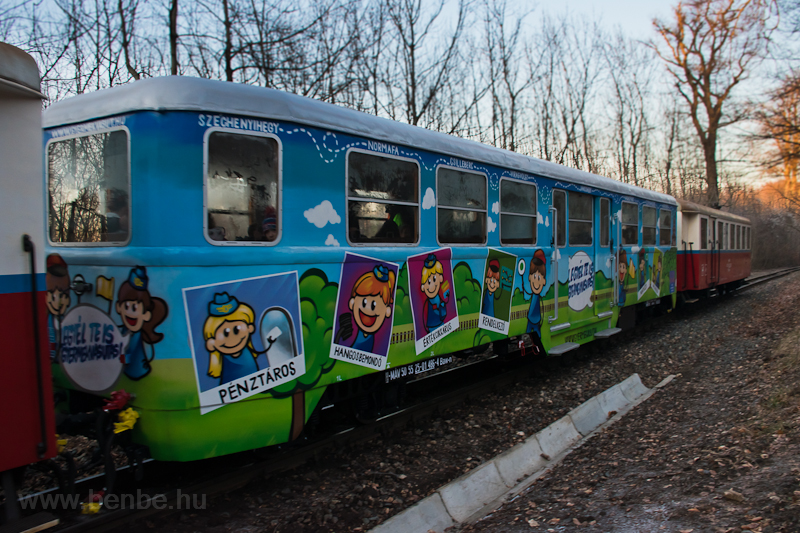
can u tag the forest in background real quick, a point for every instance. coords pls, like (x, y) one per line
(707, 109)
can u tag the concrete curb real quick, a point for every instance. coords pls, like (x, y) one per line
(488, 486)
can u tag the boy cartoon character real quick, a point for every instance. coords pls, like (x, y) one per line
(623, 275)
(642, 268)
(371, 304)
(437, 291)
(57, 300)
(228, 333)
(141, 314)
(490, 293)
(538, 279)
(657, 275)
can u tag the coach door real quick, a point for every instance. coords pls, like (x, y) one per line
(714, 259)
(603, 298)
(581, 260)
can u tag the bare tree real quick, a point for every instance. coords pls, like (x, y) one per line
(779, 119)
(415, 82)
(507, 79)
(709, 48)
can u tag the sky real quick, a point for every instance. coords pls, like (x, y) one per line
(634, 17)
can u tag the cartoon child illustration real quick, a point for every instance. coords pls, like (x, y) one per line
(490, 293)
(371, 304)
(57, 299)
(437, 292)
(642, 268)
(537, 278)
(623, 271)
(228, 332)
(141, 314)
(658, 272)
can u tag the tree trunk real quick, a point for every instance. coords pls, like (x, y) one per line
(710, 152)
(173, 36)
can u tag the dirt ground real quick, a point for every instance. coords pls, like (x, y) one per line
(716, 450)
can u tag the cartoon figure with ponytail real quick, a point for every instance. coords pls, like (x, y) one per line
(437, 293)
(141, 314)
(227, 332)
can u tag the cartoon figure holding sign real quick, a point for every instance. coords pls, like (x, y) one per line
(538, 279)
(642, 268)
(437, 293)
(227, 333)
(57, 300)
(623, 275)
(141, 313)
(492, 284)
(371, 304)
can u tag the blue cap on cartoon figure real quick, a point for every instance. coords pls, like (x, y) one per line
(381, 273)
(138, 278)
(430, 261)
(223, 304)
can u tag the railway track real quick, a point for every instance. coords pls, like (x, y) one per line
(226, 474)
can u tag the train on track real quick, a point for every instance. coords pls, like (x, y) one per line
(237, 258)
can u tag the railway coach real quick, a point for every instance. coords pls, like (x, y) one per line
(238, 257)
(26, 417)
(715, 248)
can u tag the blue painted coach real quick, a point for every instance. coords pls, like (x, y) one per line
(232, 252)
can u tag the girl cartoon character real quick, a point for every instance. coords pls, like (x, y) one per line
(57, 300)
(657, 275)
(623, 271)
(490, 289)
(371, 304)
(437, 293)
(538, 279)
(228, 332)
(141, 314)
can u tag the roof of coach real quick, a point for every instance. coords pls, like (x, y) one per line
(18, 72)
(691, 207)
(210, 96)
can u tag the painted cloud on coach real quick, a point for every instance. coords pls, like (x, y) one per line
(429, 200)
(323, 214)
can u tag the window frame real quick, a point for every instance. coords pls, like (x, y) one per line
(130, 191)
(565, 214)
(604, 220)
(580, 220)
(622, 223)
(703, 238)
(501, 213)
(671, 226)
(654, 228)
(278, 204)
(347, 199)
(484, 211)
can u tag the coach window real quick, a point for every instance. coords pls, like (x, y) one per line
(630, 224)
(665, 227)
(748, 240)
(382, 199)
(720, 233)
(518, 213)
(461, 207)
(703, 233)
(560, 203)
(649, 221)
(605, 221)
(242, 188)
(89, 189)
(581, 217)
